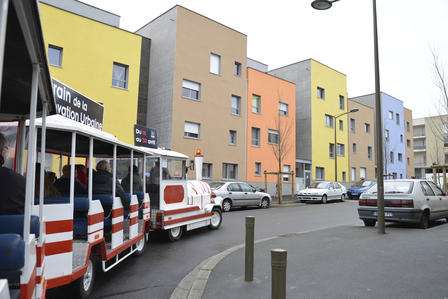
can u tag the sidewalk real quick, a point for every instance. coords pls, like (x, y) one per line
(344, 262)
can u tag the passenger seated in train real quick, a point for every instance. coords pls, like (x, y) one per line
(12, 185)
(102, 183)
(63, 183)
(51, 176)
(137, 184)
(81, 173)
(49, 189)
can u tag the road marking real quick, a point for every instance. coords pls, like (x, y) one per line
(192, 286)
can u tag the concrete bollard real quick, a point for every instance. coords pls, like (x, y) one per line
(249, 258)
(278, 265)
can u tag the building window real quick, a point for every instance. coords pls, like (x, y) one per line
(232, 137)
(401, 138)
(120, 75)
(331, 150)
(236, 105)
(273, 137)
(320, 173)
(397, 118)
(352, 125)
(257, 169)
(256, 104)
(369, 152)
(321, 93)
(424, 159)
(229, 171)
(408, 126)
(255, 136)
(191, 90)
(409, 161)
(55, 55)
(362, 173)
(207, 169)
(286, 168)
(191, 130)
(445, 141)
(354, 148)
(282, 108)
(400, 157)
(386, 135)
(237, 70)
(446, 159)
(353, 174)
(341, 125)
(328, 121)
(341, 149)
(344, 176)
(392, 157)
(408, 143)
(391, 115)
(341, 103)
(215, 64)
(401, 175)
(367, 127)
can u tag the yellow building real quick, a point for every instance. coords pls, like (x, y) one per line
(321, 97)
(89, 53)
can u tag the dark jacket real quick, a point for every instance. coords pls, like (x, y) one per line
(102, 184)
(63, 185)
(137, 184)
(12, 192)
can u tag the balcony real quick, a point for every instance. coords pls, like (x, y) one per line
(419, 136)
(419, 148)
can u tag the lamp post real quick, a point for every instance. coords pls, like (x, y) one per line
(326, 4)
(335, 142)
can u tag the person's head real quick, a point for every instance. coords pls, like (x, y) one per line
(51, 176)
(80, 168)
(134, 169)
(66, 170)
(103, 165)
(3, 148)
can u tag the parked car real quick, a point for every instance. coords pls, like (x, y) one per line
(413, 201)
(323, 192)
(357, 189)
(239, 194)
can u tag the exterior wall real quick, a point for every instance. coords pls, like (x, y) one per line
(410, 170)
(394, 144)
(419, 147)
(257, 65)
(87, 66)
(272, 90)
(335, 84)
(362, 139)
(300, 74)
(162, 32)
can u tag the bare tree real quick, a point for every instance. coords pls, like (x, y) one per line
(281, 148)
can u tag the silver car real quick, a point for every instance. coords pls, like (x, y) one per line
(239, 194)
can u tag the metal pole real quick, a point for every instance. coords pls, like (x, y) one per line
(72, 169)
(278, 266)
(42, 167)
(444, 179)
(378, 129)
(90, 190)
(144, 173)
(434, 175)
(335, 154)
(3, 23)
(249, 257)
(292, 186)
(114, 173)
(265, 182)
(131, 173)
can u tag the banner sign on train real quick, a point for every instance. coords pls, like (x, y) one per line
(73, 105)
(145, 136)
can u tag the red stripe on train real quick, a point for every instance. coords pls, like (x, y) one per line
(61, 226)
(40, 252)
(178, 211)
(95, 218)
(133, 221)
(133, 208)
(27, 289)
(58, 247)
(117, 227)
(117, 212)
(187, 218)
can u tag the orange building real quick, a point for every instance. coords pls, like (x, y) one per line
(271, 128)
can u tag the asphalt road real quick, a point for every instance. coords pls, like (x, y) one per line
(163, 265)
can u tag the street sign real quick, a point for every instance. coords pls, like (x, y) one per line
(145, 136)
(77, 107)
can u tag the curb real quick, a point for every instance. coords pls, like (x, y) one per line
(287, 204)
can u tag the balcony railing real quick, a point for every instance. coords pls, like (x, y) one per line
(419, 147)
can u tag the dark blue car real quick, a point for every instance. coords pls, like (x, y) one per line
(357, 189)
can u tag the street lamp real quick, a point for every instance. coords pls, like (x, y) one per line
(326, 4)
(335, 142)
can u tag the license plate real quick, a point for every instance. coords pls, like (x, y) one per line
(386, 214)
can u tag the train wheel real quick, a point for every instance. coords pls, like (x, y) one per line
(84, 285)
(175, 233)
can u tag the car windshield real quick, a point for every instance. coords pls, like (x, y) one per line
(319, 185)
(367, 183)
(394, 187)
(216, 185)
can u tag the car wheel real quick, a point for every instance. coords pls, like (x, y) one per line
(369, 222)
(265, 203)
(303, 201)
(175, 233)
(216, 220)
(324, 199)
(226, 205)
(424, 221)
(342, 197)
(84, 285)
(141, 246)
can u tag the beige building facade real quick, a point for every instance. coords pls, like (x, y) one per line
(361, 146)
(409, 150)
(197, 90)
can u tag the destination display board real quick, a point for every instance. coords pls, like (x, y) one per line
(76, 106)
(144, 136)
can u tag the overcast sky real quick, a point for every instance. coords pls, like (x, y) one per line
(286, 31)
